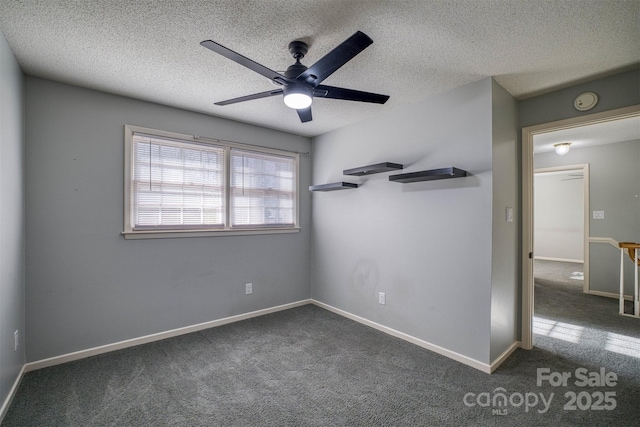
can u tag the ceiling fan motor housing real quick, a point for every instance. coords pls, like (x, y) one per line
(298, 49)
(294, 70)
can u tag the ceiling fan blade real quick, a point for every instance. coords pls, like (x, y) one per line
(335, 59)
(305, 114)
(251, 97)
(323, 91)
(243, 60)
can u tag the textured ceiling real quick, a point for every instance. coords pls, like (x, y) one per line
(150, 49)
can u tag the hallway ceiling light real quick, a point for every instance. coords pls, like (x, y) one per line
(562, 148)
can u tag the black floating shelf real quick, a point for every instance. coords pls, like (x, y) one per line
(430, 175)
(371, 169)
(333, 186)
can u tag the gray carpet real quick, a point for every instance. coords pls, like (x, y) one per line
(309, 367)
(585, 328)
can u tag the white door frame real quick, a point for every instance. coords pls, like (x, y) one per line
(585, 211)
(527, 202)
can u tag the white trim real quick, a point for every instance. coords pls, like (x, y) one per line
(527, 201)
(548, 258)
(57, 360)
(421, 343)
(526, 335)
(172, 234)
(610, 295)
(608, 240)
(12, 393)
(629, 315)
(561, 168)
(504, 356)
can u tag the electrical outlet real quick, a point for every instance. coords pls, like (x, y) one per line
(15, 341)
(382, 298)
(248, 288)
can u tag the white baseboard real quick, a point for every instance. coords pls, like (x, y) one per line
(548, 258)
(12, 393)
(629, 315)
(504, 356)
(57, 360)
(609, 295)
(486, 368)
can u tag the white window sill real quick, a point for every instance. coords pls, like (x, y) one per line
(172, 234)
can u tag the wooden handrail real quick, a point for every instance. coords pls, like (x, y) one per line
(631, 249)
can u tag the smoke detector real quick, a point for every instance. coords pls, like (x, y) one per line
(585, 101)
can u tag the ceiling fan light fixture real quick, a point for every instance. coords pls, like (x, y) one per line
(297, 101)
(297, 98)
(562, 148)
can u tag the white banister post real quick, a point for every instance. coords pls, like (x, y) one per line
(636, 303)
(621, 281)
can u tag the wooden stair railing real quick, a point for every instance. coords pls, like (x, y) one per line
(631, 249)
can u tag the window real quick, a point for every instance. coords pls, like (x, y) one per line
(262, 189)
(177, 185)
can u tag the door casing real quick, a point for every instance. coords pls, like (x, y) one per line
(526, 336)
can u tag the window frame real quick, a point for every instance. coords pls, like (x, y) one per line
(226, 230)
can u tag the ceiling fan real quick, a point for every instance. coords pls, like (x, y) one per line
(301, 84)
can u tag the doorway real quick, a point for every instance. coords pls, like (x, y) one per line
(561, 221)
(528, 134)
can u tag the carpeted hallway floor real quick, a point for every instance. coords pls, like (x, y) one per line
(309, 367)
(585, 329)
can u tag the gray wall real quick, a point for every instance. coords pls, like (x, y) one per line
(505, 248)
(615, 189)
(12, 264)
(88, 286)
(427, 245)
(84, 291)
(617, 91)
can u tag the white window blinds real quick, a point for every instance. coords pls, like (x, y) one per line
(262, 190)
(179, 185)
(176, 185)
